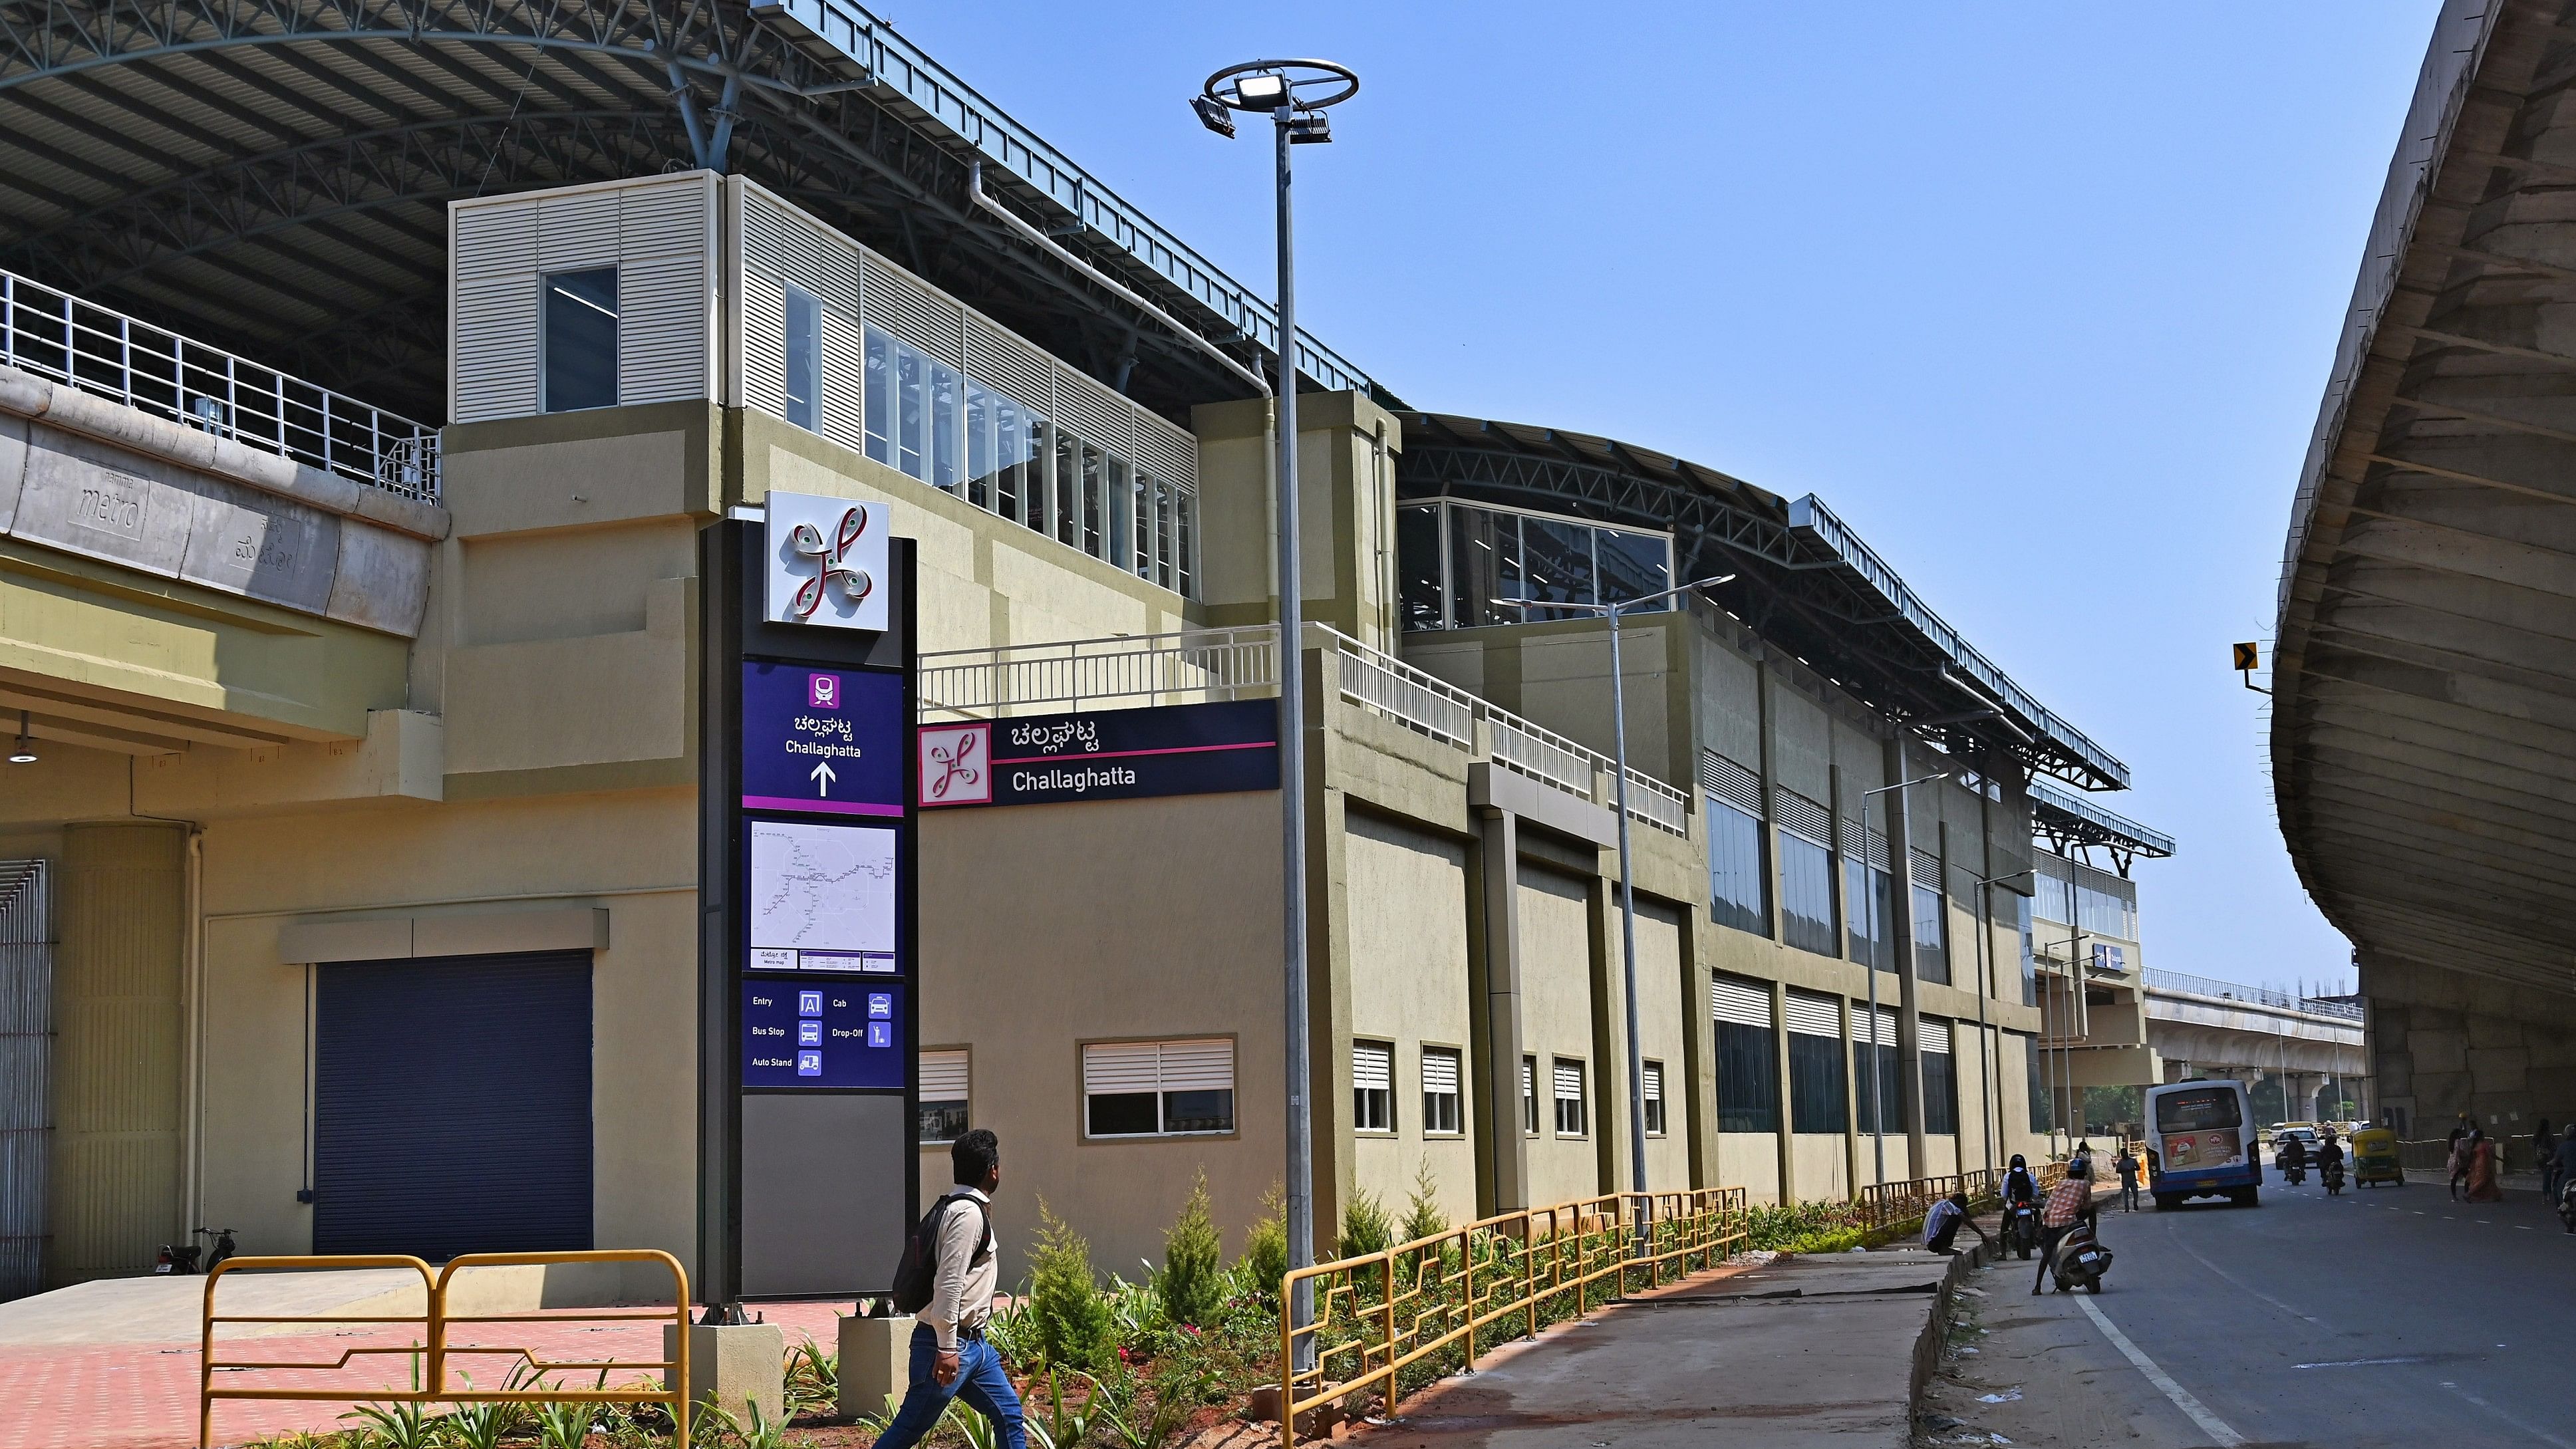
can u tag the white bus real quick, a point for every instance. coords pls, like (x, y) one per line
(2202, 1143)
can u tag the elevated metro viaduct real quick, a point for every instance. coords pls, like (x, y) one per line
(383, 676)
(2424, 722)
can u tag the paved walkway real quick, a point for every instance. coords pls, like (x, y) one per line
(1814, 1351)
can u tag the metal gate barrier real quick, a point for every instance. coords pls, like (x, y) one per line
(431, 1385)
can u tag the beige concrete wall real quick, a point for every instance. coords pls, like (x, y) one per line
(1664, 1013)
(1557, 1020)
(1407, 928)
(1749, 1160)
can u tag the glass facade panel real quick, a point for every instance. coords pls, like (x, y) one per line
(1890, 1081)
(1735, 874)
(1631, 565)
(1931, 935)
(1497, 554)
(945, 387)
(1748, 1078)
(2043, 1103)
(1556, 567)
(2029, 957)
(1417, 554)
(911, 411)
(1118, 514)
(1807, 895)
(803, 321)
(1869, 895)
(1941, 1094)
(1816, 1096)
(1484, 551)
(577, 340)
(982, 406)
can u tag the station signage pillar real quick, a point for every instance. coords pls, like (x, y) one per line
(809, 979)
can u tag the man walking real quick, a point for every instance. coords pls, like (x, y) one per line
(2127, 1163)
(950, 1358)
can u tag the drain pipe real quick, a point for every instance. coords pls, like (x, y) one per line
(1049, 245)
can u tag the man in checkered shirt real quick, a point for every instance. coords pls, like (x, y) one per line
(2068, 1203)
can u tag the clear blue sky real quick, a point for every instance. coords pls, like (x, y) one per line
(2040, 300)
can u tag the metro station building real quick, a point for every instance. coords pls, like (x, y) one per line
(358, 620)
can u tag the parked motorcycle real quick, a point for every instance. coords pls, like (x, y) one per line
(185, 1257)
(2021, 1228)
(2079, 1260)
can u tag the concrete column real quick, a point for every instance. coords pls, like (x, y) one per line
(1855, 1152)
(1494, 972)
(1900, 862)
(1611, 1134)
(1784, 1139)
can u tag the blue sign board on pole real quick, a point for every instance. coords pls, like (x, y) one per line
(1102, 754)
(822, 741)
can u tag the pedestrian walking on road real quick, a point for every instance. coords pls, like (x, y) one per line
(2544, 1153)
(950, 1358)
(2068, 1203)
(2463, 1142)
(2482, 1170)
(2127, 1162)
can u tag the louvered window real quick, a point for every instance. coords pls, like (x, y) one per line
(1372, 1087)
(1440, 1091)
(1940, 1076)
(1654, 1077)
(1816, 1065)
(1571, 1118)
(1748, 1056)
(944, 1096)
(1529, 1095)
(1149, 1089)
(1878, 1078)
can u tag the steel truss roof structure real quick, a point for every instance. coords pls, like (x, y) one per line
(2068, 821)
(272, 175)
(1803, 579)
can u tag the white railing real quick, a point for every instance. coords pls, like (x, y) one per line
(1541, 754)
(2162, 980)
(63, 339)
(1193, 667)
(1658, 804)
(1403, 693)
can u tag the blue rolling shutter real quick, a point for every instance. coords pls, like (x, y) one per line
(452, 1106)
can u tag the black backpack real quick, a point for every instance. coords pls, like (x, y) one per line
(916, 1276)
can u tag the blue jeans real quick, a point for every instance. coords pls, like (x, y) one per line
(980, 1382)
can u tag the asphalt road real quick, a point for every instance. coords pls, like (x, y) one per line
(2385, 1316)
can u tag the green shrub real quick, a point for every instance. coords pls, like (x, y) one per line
(1366, 1228)
(1422, 1215)
(1072, 1318)
(1192, 1282)
(1265, 1251)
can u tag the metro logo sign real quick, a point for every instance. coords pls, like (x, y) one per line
(827, 561)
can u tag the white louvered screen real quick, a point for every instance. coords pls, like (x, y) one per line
(1096, 415)
(665, 296)
(1731, 782)
(1886, 1023)
(1569, 1081)
(778, 246)
(761, 378)
(1654, 1081)
(911, 311)
(1853, 847)
(1198, 1066)
(1746, 1003)
(997, 359)
(1793, 811)
(1439, 1071)
(1372, 1066)
(1121, 1067)
(1528, 1082)
(1932, 1034)
(492, 336)
(943, 1076)
(1811, 1015)
(1166, 451)
(579, 230)
(1927, 868)
(844, 379)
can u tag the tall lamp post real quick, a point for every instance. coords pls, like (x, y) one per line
(1878, 1097)
(1989, 1102)
(1294, 93)
(1627, 876)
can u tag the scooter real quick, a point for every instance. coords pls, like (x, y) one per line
(2567, 1203)
(2079, 1260)
(184, 1257)
(2021, 1228)
(2332, 1175)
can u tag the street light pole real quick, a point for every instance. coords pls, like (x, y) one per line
(1272, 87)
(1877, 1096)
(1627, 874)
(1989, 1102)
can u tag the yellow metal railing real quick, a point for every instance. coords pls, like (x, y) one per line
(1426, 1306)
(434, 1348)
(1887, 1203)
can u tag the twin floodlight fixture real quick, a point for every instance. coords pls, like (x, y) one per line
(1293, 92)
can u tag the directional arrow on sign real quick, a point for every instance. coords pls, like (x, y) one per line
(822, 778)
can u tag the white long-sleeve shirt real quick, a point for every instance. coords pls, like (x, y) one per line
(961, 1293)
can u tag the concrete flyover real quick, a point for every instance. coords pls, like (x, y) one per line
(2204, 1028)
(2424, 725)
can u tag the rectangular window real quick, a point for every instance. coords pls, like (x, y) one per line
(577, 340)
(911, 411)
(1569, 1098)
(1157, 1089)
(1166, 532)
(877, 395)
(944, 1096)
(1119, 513)
(1654, 1099)
(1372, 1086)
(803, 344)
(1748, 1056)
(1878, 1076)
(981, 406)
(1440, 1096)
(1735, 873)
(2029, 957)
(1185, 544)
(1095, 500)
(1871, 900)
(1807, 895)
(1529, 1095)
(1142, 566)
(1931, 935)
(1417, 553)
(2043, 1103)
(945, 386)
(1818, 1101)
(1068, 488)
(1940, 1077)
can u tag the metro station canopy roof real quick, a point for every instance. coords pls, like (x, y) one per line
(1802, 579)
(272, 175)
(2424, 678)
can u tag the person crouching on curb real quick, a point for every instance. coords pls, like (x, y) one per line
(950, 1357)
(1942, 1224)
(2068, 1203)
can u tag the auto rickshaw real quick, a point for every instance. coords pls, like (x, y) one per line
(2374, 1157)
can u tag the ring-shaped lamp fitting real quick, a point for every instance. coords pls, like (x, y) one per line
(1311, 84)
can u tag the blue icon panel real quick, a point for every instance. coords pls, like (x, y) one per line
(835, 1037)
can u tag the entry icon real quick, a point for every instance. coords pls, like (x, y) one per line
(809, 1003)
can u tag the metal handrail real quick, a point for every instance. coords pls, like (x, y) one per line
(1196, 665)
(1419, 1305)
(57, 336)
(2251, 995)
(434, 1350)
